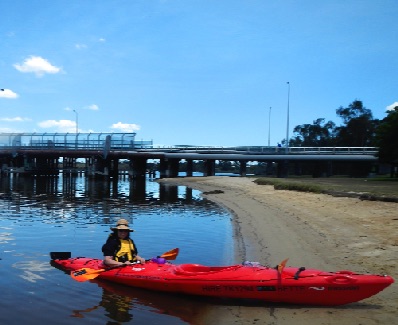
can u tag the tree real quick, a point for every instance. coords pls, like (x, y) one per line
(318, 134)
(387, 138)
(360, 127)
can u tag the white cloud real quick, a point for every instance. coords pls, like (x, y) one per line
(392, 106)
(80, 46)
(8, 93)
(93, 107)
(15, 119)
(125, 127)
(102, 40)
(59, 126)
(37, 65)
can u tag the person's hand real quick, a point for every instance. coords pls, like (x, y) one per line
(140, 260)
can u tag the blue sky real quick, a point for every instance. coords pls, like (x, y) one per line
(195, 72)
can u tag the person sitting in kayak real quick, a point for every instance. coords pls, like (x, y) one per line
(120, 248)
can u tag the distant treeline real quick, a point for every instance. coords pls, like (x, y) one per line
(359, 129)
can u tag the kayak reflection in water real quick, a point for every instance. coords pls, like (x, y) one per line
(119, 248)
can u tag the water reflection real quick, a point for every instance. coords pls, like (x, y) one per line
(74, 214)
(72, 187)
(122, 304)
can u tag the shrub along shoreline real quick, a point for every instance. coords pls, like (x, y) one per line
(372, 189)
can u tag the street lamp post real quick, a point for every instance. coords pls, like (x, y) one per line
(287, 123)
(269, 128)
(77, 121)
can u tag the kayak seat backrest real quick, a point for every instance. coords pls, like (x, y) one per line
(197, 269)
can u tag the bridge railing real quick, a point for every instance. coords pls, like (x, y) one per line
(72, 141)
(269, 150)
(127, 142)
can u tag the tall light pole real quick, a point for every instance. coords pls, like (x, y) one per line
(269, 128)
(287, 123)
(77, 121)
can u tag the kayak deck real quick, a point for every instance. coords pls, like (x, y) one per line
(293, 285)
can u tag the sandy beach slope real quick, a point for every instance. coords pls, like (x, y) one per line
(312, 230)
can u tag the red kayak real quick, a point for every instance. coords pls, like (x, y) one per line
(287, 285)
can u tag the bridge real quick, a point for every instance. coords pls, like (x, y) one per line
(40, 154)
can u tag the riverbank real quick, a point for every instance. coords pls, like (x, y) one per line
(313, 230)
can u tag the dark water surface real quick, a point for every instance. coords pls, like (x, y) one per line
(41, 215)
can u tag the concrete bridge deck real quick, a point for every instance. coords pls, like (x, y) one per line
(42, 151)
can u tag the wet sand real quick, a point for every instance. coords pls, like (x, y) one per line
(312, 230)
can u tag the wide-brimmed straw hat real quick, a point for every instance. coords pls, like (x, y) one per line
(122, 224)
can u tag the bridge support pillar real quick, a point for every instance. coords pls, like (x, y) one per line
(90, 167)
(138, 168)
(169, 167)
(283, 169)
(69, 165)
(329, 168)
(17, 164)
(297, 169)
(114, 171)
(322, 169)
(163, 169)
(189, 168)
(174, 167)
(43, 166)
(98, 167)
(269, 169)
(242, 168)
(210, 167)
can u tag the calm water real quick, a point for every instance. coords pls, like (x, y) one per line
(41, 215)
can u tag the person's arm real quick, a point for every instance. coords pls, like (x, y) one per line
(109, 261)
(140, 259)
(108, 248)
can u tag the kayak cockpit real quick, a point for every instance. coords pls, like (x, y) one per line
(198, 269)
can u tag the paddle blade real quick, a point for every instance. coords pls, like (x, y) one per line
(282, 265)
(171, 254)
(85, 274)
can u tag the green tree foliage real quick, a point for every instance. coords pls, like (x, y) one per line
(318, 134)
(358, 129)
(387, 138)
(359, 126)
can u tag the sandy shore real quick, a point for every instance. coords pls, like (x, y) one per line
(312, 230)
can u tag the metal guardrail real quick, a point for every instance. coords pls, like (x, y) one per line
(73, 141)
(127, 142)
(264, 150)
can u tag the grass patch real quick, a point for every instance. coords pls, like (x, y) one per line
(383, 179)
(375, 189)
(290, 186)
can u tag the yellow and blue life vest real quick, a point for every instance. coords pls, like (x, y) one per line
(126, 250)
